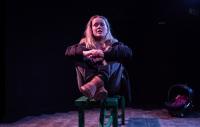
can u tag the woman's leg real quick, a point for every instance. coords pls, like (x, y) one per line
(103, 81)
(113, 73)
(91, 83)
(94, 88)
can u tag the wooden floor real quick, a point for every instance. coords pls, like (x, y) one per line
(134, 118)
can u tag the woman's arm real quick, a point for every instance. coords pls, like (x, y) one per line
(79, 53)
(75, 51)
(118, 52)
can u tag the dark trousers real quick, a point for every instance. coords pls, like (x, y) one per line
(111, 74)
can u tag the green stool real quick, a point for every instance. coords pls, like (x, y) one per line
(108, 103)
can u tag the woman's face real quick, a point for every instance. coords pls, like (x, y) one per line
(99, 28)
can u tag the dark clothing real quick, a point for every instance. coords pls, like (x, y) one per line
(113, 73)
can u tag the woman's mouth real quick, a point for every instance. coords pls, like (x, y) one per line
(99, 31)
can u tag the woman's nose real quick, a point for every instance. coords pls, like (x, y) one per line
(99, 26)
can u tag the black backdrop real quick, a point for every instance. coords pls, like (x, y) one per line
(38, 79)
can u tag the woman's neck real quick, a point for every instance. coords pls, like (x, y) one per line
(100, 45)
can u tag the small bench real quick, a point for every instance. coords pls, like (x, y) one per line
(112, 103)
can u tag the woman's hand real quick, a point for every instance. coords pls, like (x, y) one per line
(93, 53)
(96, 55)
(87, 53)
(108, 48)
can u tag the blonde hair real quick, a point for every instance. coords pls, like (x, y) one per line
(88, 38)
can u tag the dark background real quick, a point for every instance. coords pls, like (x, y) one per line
(37, 78)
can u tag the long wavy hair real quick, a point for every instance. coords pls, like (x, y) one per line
(88, 38)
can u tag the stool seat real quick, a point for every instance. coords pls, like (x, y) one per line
(108, 103)
(84, 101)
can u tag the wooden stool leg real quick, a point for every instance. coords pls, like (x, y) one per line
(102, 115)
(123, 110)
(115, 116)
(81, 117)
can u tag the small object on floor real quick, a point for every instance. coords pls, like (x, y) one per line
(179, 100)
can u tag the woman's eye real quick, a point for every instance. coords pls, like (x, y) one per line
(102, 24)
(97, 24)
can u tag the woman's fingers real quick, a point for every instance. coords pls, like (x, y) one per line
(97, 52)
(93, 53)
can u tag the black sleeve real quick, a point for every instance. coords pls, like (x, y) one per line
(75, 52)
(118, 52)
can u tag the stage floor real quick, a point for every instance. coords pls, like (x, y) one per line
(134, 118)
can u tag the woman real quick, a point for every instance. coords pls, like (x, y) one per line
(98, 59)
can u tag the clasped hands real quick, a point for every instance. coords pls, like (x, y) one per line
(96, 55)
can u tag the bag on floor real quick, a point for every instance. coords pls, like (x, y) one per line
(179, 101)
